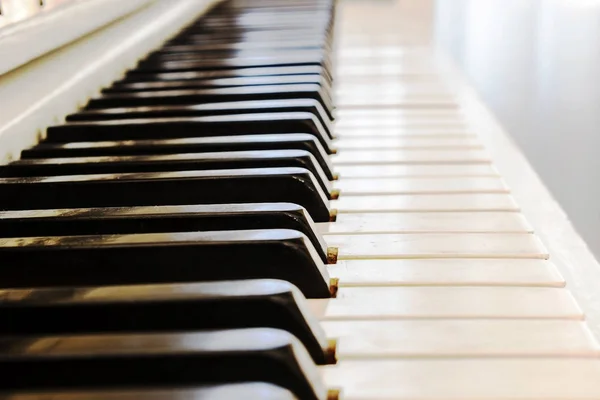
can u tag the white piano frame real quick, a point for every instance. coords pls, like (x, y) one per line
(98, 41)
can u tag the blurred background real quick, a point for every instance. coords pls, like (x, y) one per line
(536, 64)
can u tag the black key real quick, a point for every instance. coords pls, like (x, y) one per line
(199, 96)
(160, 360)
(189, 218)
(208, 109)
(169, 162)
(134, 75)
(164, 258)
(246, 391)
(170, 128)
(185, 145)
(127, 87)
(165, 307)
(262, 185)
(253, 54)
(283, 45)
(233, 36)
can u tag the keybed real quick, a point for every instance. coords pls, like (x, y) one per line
(393, 93)
(283, 254)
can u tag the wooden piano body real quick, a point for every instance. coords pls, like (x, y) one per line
(455, 273)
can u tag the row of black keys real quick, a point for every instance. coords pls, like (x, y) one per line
(211, 157)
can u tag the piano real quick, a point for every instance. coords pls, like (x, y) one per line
(272, 199)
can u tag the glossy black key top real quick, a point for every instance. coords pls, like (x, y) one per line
(169, 162)
(225, 48)
(134, 75)
(246, 391)
(153, 219)
(157, 58)
(164, 258)
(198, 96)
(185, 145)
(262, 185)
(160, 360)
(208, 109)
(263, 303)
(180, 127)
(216, 83)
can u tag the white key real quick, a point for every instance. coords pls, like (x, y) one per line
(437, 245)
(446, 272)
(355, 91)
(351, 224)
(414, 170)
(467, 379)
(397, 113)
(362, 303)
(417, 143)
(398, 121)
(417, 203)
(400, 127)
(375, 134)
(460, 338)
(371, 121)
(370, 99)
(446, 185)
(462, 156)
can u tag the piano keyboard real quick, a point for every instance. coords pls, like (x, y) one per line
(260, 210)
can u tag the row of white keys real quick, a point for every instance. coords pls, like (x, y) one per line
(444, 291)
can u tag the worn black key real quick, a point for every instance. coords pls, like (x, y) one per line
(160, 360)
(246, 391)
(169, 162)
(265, 303)
(208, 109)
(261, 185)
(180, 127)
(164, 258)
(153, 219)
(198, 96)
(186, 145)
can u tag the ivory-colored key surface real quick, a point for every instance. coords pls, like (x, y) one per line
(403, 122)
(402, 125)
(467, 379)
(444, 185)
(408, 114)
(415, 131)
(414, 170)
(361, 100)
(460, 338)
(446, 272)
(352, 93)
(406, 143)
(429, 203)
(437, 245)
(462, 156)
(350, 224)
(431, 302)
